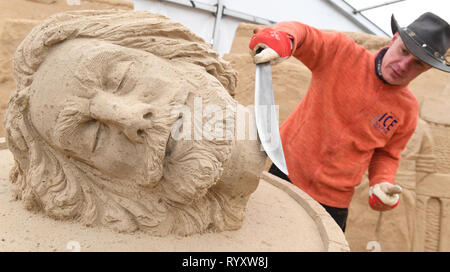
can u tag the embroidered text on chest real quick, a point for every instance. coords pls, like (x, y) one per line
(385, 122)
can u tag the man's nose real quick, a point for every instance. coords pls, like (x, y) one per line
(406, 63)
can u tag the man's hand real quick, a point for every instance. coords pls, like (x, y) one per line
(271, 45)
(384, 196)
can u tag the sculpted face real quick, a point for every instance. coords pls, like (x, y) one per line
(104, 104)
(399, 66)
(91, 128)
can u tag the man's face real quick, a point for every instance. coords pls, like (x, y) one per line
(399, 66)
(108, 106)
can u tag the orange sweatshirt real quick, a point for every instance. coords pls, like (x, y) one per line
(349, 120)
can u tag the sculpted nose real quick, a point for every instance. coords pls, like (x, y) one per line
(140, 121)
(133, 118)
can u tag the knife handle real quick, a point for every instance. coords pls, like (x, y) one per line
(259, 50)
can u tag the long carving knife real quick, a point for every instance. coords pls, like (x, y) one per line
(266, 116)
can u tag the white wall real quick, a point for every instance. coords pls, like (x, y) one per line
(317, 13)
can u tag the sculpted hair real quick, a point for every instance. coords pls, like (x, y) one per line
(46, 179)
(134, 29)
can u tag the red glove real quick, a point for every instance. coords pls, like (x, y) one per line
(384, 196)
(276, 45)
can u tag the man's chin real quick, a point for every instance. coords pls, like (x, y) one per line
(394, 80)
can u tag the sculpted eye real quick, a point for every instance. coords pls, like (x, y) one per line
(97, 135)
(118, 79)
(96, 129)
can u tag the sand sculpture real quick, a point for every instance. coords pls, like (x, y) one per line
(91, 122)
(433, 190)
(417, 162)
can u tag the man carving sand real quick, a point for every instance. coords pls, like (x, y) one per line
(91, 121)
(358, 113)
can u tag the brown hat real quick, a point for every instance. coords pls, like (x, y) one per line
(427, 38)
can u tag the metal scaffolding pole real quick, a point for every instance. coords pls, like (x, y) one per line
(358, 18)
(377, 6)
(226, 12)
(219, 11)
(216, 30)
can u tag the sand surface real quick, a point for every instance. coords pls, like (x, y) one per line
(274, 222)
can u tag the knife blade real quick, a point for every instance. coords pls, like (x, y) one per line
(266, 116)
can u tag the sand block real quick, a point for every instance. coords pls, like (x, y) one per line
(279, 217)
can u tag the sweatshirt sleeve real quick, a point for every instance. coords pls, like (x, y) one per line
(384, 163)
(314, 47)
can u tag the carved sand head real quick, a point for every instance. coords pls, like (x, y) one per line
(91, 121)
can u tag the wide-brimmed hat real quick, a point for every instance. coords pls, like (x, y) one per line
(427, 38)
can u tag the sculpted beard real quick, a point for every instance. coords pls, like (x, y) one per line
(193, 167)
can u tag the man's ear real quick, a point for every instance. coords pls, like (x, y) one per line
(393, 39)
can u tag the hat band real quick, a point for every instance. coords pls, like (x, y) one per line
(428, 49)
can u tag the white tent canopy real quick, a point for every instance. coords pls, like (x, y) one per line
(216, 20)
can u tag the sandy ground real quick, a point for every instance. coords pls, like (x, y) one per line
(274, 222)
